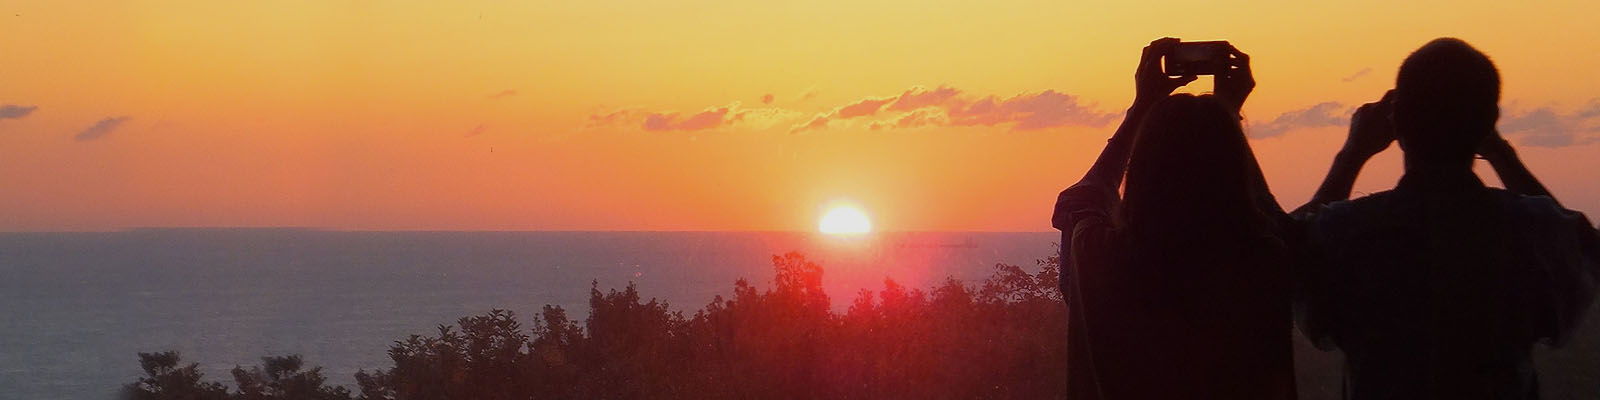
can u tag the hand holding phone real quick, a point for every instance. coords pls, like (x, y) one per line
(1235, 81)
(1150, 83)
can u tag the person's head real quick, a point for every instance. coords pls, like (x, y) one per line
(1189, 176)
(1446, 101)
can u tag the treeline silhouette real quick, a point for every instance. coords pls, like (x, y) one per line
(999, 339)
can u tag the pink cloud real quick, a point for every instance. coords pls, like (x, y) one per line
(1047, 109)
(13, 112)
(865, 107)
(818, 122)
(711, 118)
(1324, 114)
(767, 99)
(919, 118)
(919, 97)
(101, 129)
(611, 118)
(708, 119)
(659, 122)
(809, 94)
(477, 130)
(915, 107)
(1546, 127)
(704, 120)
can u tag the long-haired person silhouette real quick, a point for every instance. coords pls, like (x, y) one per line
(1439, 288)
(1177, 289)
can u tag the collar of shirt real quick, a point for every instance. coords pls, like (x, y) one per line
(1433, 181)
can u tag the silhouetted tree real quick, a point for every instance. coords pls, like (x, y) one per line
(164, 379)
(281, 378)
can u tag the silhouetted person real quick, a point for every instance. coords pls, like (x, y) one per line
(1176, 289)
(1439, 288)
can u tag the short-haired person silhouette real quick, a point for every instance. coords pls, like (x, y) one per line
(1178, 288)
(1439, 288)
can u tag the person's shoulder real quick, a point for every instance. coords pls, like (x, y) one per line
(1350, 220)
(1369, 207)
(1526, 206)
(1085, 200)
(1538, 209)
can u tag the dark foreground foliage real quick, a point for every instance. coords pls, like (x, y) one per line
(280, 378)
(1003, 339)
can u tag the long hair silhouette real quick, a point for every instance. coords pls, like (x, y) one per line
(1188, 192)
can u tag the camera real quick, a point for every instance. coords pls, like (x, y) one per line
(1197, 58)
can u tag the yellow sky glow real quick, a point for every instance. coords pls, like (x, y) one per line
(477, 115)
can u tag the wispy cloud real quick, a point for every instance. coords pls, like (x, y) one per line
(945, 106)
(477, 130)
(708, 119)
(762, 118)
(915, 107)
(612, 118)
(1547, 127)
(101, 129)
(503, 94)
(818, 122)
(914, 119)
(862, 108)
(1331, 113)
(1591, 110)
(1357, 75)
(809, 93)
(911, 99)
(919, 97)
(14, 112)
(1047, 109)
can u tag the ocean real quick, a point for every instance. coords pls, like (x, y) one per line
(76, 308)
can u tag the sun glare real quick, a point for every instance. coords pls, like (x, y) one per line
(845, 220)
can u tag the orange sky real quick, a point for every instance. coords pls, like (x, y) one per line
(493, 115)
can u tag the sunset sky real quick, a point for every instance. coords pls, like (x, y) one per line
(694, 115)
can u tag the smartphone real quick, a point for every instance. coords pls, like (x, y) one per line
(1197, 58)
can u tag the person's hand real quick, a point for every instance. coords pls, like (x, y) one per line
(1371, 128)
(1235, 84)
(1150, 83)
(1495, 148)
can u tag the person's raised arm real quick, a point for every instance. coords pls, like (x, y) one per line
(1233, 87)
(1513, 174)
(1371, 131)
(1151, 85)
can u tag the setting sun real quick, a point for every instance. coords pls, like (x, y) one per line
(845, 220)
